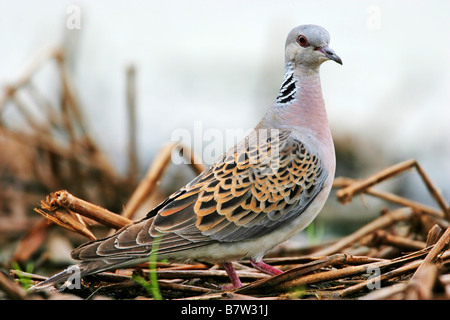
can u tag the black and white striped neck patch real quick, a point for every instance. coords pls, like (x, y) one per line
(288, 88)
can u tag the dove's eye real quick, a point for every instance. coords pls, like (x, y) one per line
(303, 41)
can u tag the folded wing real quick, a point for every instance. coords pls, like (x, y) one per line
(263, 182)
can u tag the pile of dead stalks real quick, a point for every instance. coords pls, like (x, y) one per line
(407, 255)
(401, 254)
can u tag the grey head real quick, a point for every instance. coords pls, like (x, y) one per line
(307, 45)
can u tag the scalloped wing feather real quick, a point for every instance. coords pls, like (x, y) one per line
(263, 182)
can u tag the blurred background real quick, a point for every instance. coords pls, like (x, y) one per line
(219, 63)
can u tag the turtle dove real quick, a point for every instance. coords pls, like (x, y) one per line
(260, 193)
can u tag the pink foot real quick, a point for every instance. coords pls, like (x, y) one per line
(235, 281)
(264, 267)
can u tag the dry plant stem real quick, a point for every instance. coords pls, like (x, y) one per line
(322, 276)
(73, 121)
(164, 285)
(432, 256)
(425, 275)
(29, 71)
(148, 184)
(86, 209)
(434, 191)
(407, 268)
(404, 202)
(224, 296)
(50, 114)
(385, 276)
(433, 235)
(211, 296)
(16, 274)
(65, 218)
(379, 223)
(440, 245)
(385, 293)
(168, 266)
(73, 109)
(346, 194)
(189, 274)
(186, 267)
(303, 275)
(28, 117)
(154, 174)
(400, 242)
(420, 286)
(293, 274)
(131, 108)
(350, 259)
(343, 182)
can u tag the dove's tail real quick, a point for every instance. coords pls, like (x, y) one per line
(71, 277)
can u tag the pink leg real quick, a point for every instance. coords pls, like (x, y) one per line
(264, 267)
(235, 281)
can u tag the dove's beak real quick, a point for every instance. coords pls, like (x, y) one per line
(330, 54)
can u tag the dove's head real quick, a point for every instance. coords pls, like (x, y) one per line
(307, 45)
